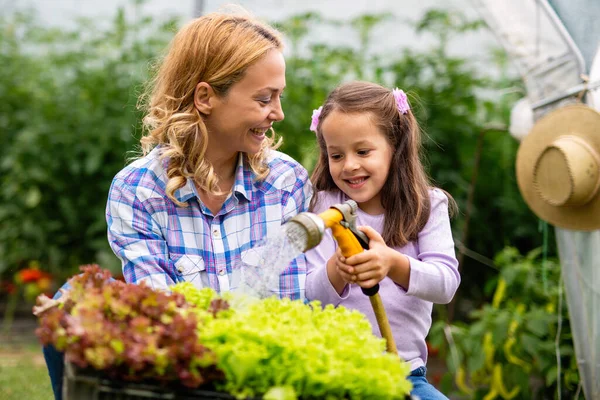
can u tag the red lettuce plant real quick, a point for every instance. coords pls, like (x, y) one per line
(128, 331)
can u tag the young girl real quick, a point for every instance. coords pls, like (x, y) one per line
(369, 145)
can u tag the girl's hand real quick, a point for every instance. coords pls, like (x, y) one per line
(371, 266)
(337, 272)
(343, 269)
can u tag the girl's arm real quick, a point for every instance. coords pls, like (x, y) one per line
(323, 283)
(400, 269)
(432, 275)
(434, 272)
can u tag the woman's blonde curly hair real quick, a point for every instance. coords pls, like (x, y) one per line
(217, 49)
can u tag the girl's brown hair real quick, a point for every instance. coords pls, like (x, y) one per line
(405, 195)
(216, 48)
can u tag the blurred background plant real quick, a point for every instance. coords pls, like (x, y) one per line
(518, 345)
(69, 122)
(27, 284)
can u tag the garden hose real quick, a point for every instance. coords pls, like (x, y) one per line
(307, 230)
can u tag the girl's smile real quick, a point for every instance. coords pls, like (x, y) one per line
(359, 157)
(356, 183)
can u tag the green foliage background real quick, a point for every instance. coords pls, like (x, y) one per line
(68, 123)
(519, 345)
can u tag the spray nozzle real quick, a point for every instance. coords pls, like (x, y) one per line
(306, 229)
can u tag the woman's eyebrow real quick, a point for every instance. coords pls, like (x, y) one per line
(271, 89)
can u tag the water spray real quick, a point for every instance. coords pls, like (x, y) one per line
(306, 230)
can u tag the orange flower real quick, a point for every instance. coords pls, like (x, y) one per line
(28, 275)
(31, 275)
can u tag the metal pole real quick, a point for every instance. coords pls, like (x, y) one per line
(198, 8)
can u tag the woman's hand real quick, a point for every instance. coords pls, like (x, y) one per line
(370, 267)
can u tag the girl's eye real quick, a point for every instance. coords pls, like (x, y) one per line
(335, 156)
(363, 152)
(264, 101)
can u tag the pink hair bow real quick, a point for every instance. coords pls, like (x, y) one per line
(401, 100)
(315, 119)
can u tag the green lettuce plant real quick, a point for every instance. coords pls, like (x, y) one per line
(303, 350)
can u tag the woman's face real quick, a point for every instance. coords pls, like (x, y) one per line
(239, 120)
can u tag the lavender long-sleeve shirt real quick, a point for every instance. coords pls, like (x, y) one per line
(434, 277)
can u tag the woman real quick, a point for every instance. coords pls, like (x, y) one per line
(210, 184)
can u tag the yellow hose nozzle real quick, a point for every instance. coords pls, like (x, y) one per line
(306, 230)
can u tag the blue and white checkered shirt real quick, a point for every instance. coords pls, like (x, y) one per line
(160, 243)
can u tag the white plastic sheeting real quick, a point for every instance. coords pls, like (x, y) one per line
(531, 33)
(554, 73)
(580, 263)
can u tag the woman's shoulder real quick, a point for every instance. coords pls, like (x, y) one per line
(148, 170)
(277, 159)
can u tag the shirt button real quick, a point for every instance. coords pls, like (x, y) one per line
(221, 272)
(216, 233)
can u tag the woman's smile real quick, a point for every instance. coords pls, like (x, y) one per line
(259, 133)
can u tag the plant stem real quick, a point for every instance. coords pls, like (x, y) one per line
(9, 313)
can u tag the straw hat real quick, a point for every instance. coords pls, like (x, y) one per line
(558, 168)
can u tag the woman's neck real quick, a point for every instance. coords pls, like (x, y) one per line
(224, 168)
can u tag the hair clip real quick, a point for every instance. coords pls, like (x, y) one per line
(401, 100)
(315, 119)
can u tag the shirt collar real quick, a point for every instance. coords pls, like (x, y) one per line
(242, 185)
(244, 178)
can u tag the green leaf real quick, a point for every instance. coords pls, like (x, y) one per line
(538, 326)
(551, 376)
(476, 361)
(530, 344)
(34, 196)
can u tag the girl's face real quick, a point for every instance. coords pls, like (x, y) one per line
(359, 157)
(239, 121)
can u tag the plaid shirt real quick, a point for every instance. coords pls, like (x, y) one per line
(161, 243)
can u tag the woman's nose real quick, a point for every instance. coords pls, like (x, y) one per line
(277, 112)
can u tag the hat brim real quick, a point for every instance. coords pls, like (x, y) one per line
(578, 120)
